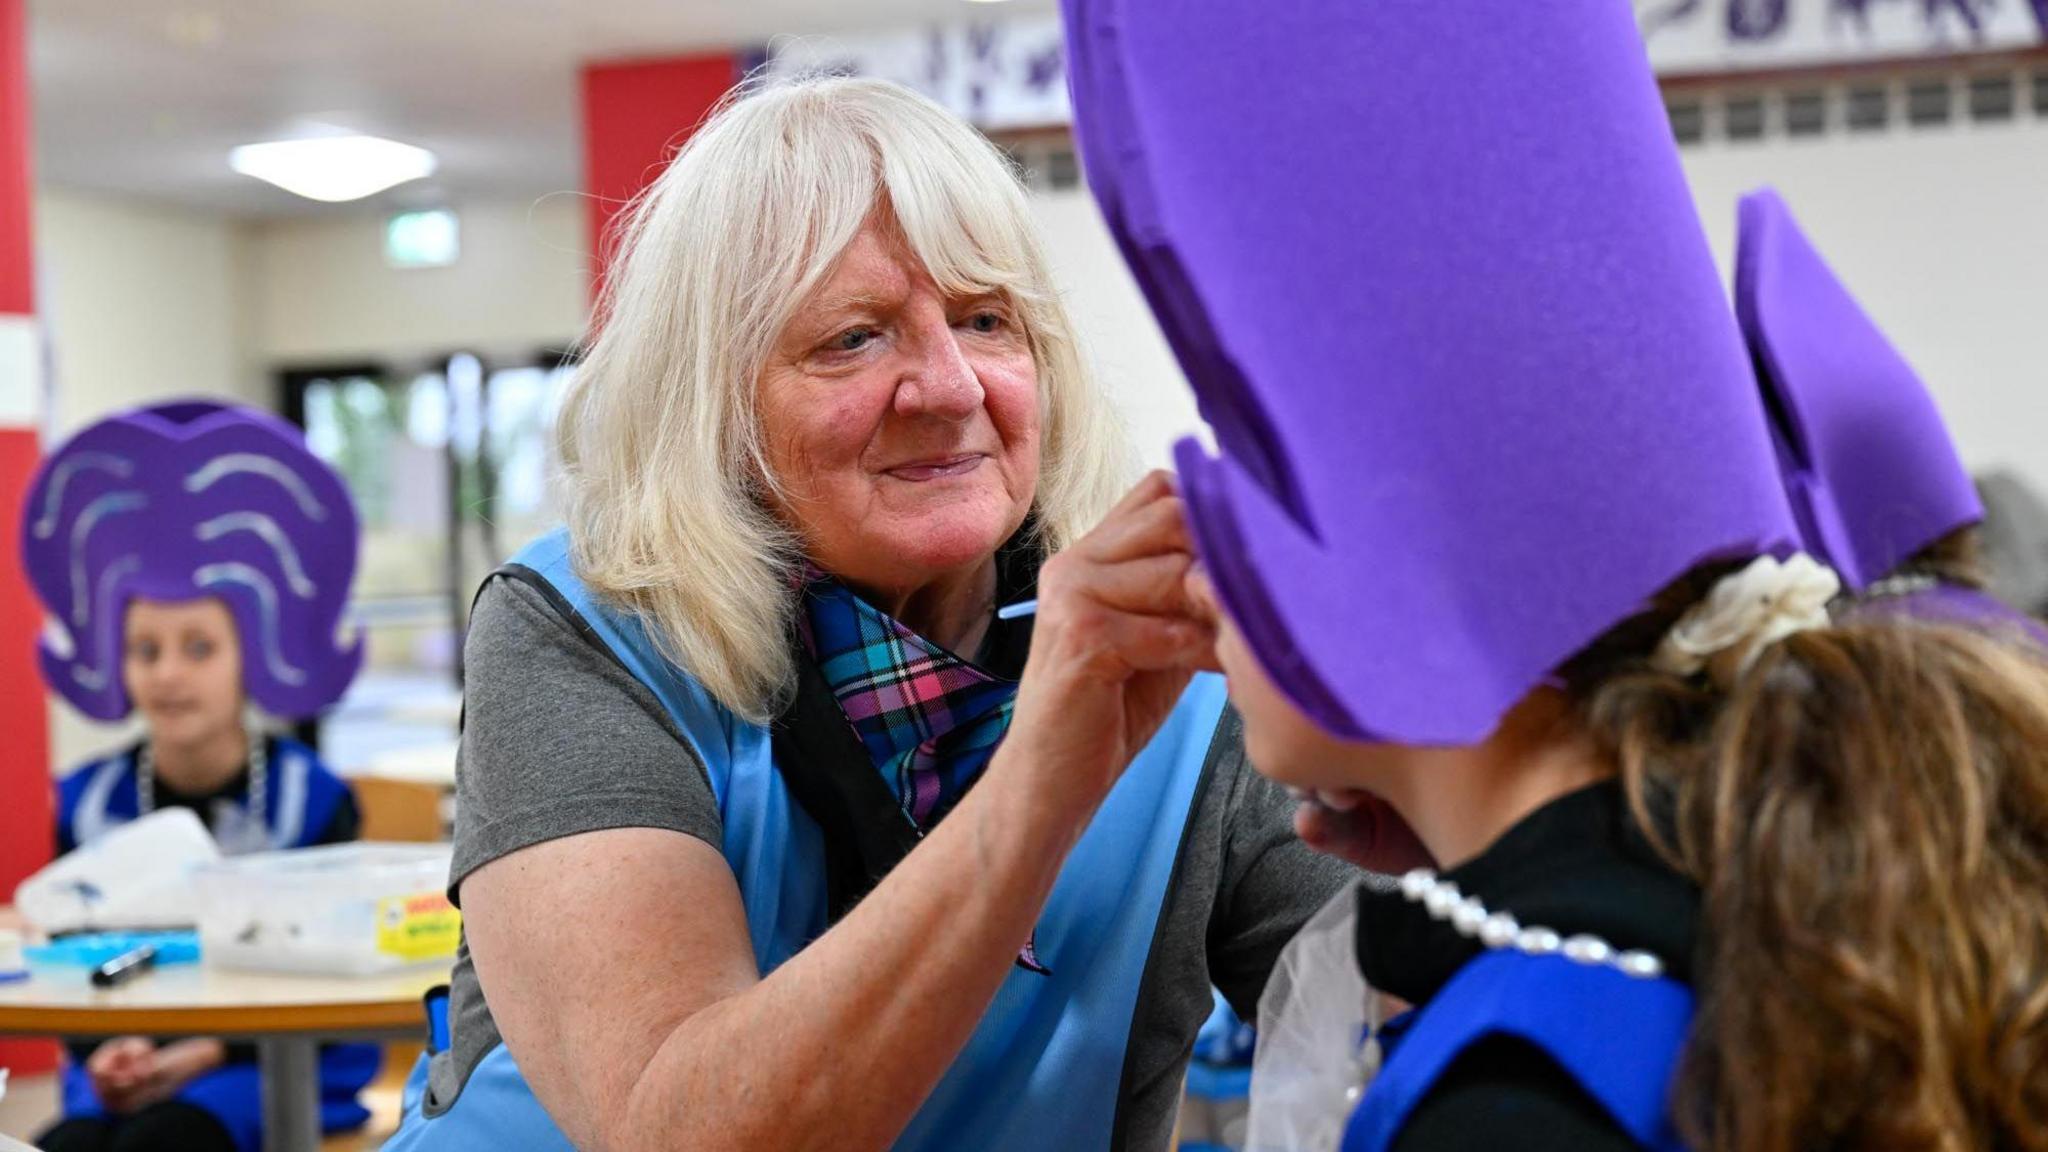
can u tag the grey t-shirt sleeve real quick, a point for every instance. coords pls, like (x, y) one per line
(1271, 884)
(1241, 890)
(559, 739)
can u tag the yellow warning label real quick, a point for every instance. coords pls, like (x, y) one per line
(422, 926)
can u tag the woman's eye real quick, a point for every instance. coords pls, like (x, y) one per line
(986, 322)
(199, 649)
(852, 340)
(143, 652)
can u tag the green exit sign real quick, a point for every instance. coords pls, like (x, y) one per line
(430, 239)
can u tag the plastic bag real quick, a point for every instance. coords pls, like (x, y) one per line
(137, 875)
(1313, 1057)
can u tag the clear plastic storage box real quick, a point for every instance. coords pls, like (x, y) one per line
(344, 910)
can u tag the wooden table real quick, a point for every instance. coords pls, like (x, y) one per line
(286, 1017)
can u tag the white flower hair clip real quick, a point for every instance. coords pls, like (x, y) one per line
(1746, 612)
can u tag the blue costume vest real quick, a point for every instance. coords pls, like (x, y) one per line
(1618, 1036)
(1044, 1068)
(303, 796)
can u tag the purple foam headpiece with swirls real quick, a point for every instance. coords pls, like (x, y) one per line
(186, 500)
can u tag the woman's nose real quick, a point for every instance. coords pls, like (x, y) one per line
(939, 380)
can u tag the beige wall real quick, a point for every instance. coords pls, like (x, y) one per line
(140, 303)
(1943, 236)
(145, 303)
(319, 287)
(1118, 332)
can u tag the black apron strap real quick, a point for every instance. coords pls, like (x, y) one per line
(830, 773)
(834, 780)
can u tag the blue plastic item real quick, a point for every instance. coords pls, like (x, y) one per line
(90, 950)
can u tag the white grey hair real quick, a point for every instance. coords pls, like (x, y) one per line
(659, 437)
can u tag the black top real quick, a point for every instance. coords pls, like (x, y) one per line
(1576, 865)
(342, 828)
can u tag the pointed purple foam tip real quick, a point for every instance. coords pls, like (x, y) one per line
(1869, 465)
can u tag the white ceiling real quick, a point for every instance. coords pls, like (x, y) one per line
(145, 97)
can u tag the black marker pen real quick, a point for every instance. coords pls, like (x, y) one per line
(125, 967)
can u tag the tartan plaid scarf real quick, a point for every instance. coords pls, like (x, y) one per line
(930, 721)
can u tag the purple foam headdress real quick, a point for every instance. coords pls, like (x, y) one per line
(1926, 599)
(1869, 466)
(186, 500)
(1436, 276)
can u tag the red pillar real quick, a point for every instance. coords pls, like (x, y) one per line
(26, 834)
(636, 113)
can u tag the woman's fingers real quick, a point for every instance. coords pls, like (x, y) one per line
(1136, 560)
(1156, 483)
(1135, 564)
(1139, 527)
(1150, 586)
(1156, 643)
(1201, 595)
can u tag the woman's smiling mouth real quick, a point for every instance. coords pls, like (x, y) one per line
(938, 468)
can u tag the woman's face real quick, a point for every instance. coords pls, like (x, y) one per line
(183, 668)
(901, 424)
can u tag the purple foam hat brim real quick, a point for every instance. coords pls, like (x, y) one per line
(1096, 165)
(1091, 47)
(1436, 277)
(1872, 472)
(1115, 163)
(1235, 578)
(1165, 292)
(182, 501)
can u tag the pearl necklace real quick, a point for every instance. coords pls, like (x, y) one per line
(257, 794)
(1498, 930)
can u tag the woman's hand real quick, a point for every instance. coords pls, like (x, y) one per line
(1116, 640)
(632, 1000)
(619, 963)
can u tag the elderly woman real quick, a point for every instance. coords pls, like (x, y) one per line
(762, 844)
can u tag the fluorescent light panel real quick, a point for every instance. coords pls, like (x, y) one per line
(333, 168)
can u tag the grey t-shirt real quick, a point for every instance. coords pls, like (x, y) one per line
(540, 696)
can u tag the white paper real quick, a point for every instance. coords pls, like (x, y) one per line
(136, 876)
